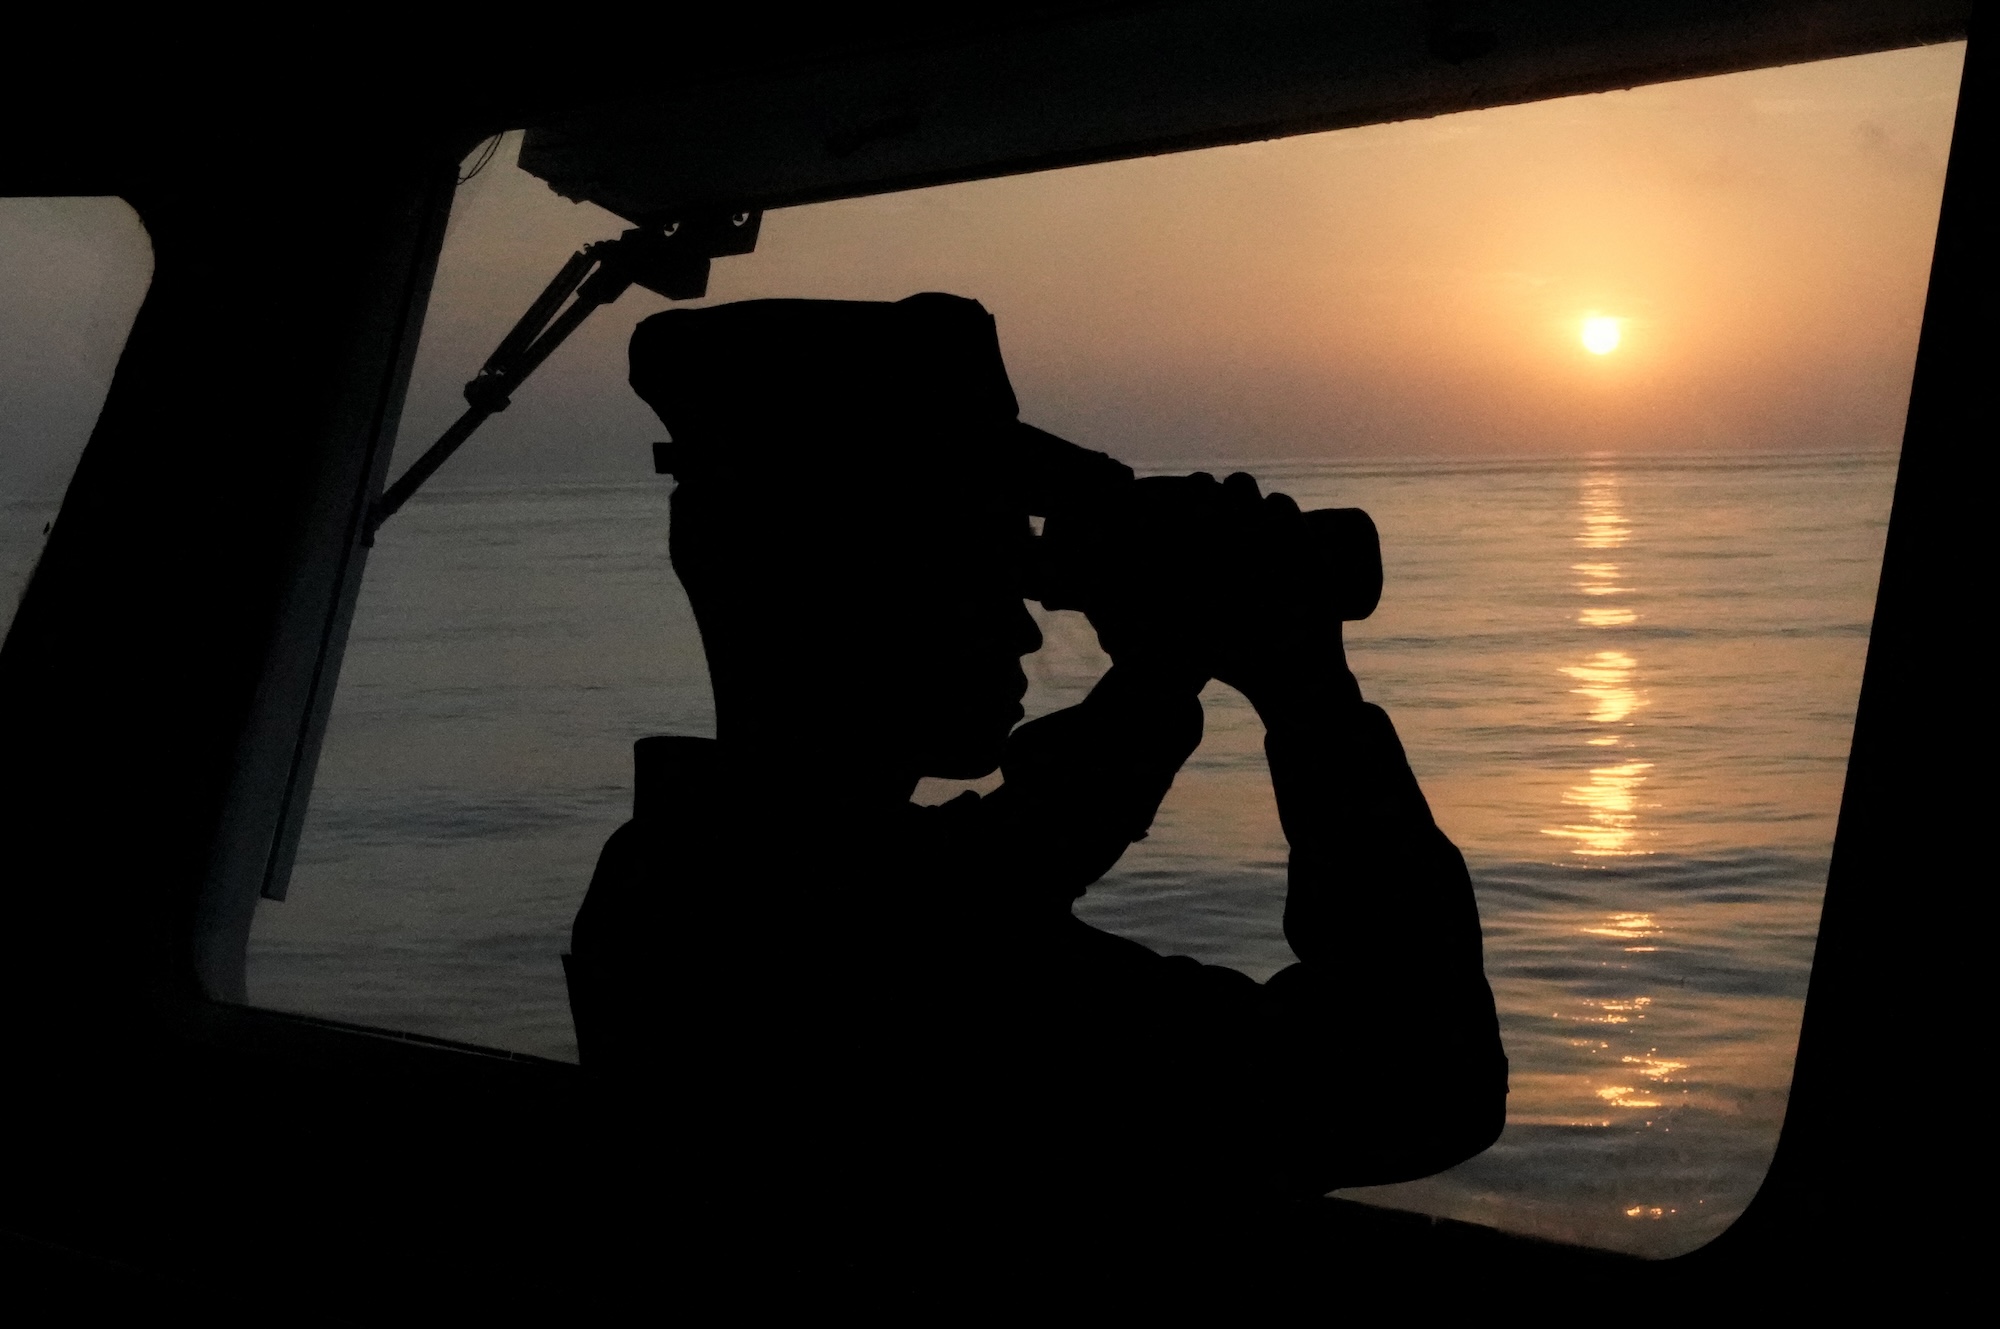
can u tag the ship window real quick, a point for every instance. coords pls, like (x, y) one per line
(1621, 379)
(72, 274)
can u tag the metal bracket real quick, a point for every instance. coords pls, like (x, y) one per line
(670, 260)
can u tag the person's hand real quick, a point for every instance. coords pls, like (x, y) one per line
(1144, 563)
(1279, 643)
(1185, 577)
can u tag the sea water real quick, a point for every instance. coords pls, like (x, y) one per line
(1627, 685)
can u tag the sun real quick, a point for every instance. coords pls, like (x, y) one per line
(1600, 335)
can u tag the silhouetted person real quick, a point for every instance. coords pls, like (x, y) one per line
(806, 990)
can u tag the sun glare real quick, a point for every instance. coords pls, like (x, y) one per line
(1600, 335)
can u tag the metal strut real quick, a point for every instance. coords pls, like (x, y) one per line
(671, 260)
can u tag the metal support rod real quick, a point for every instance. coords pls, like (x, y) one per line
(670, 260)
(559, 289)
(425, 466)
(532, 340)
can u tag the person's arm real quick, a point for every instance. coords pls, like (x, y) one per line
(1388, 1010)
(1377, 1056)
(1085, 782)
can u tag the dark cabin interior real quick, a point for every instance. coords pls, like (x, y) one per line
(171, 1147)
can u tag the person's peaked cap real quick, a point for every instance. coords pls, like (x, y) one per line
(915, 388)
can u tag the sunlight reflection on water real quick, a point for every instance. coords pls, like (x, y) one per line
(1610, 796)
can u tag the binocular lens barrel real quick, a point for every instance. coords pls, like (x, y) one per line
(1334, 558)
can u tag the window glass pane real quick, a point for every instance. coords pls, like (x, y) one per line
(72, 274)
(1620, 378)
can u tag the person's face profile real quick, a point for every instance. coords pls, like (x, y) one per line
(964, 629)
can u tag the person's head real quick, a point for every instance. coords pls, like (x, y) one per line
(851, 524)
(889, 631)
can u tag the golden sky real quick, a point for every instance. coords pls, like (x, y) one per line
(1420, 287)
(1414, 289)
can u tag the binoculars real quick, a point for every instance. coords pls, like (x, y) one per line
(1333, 554)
